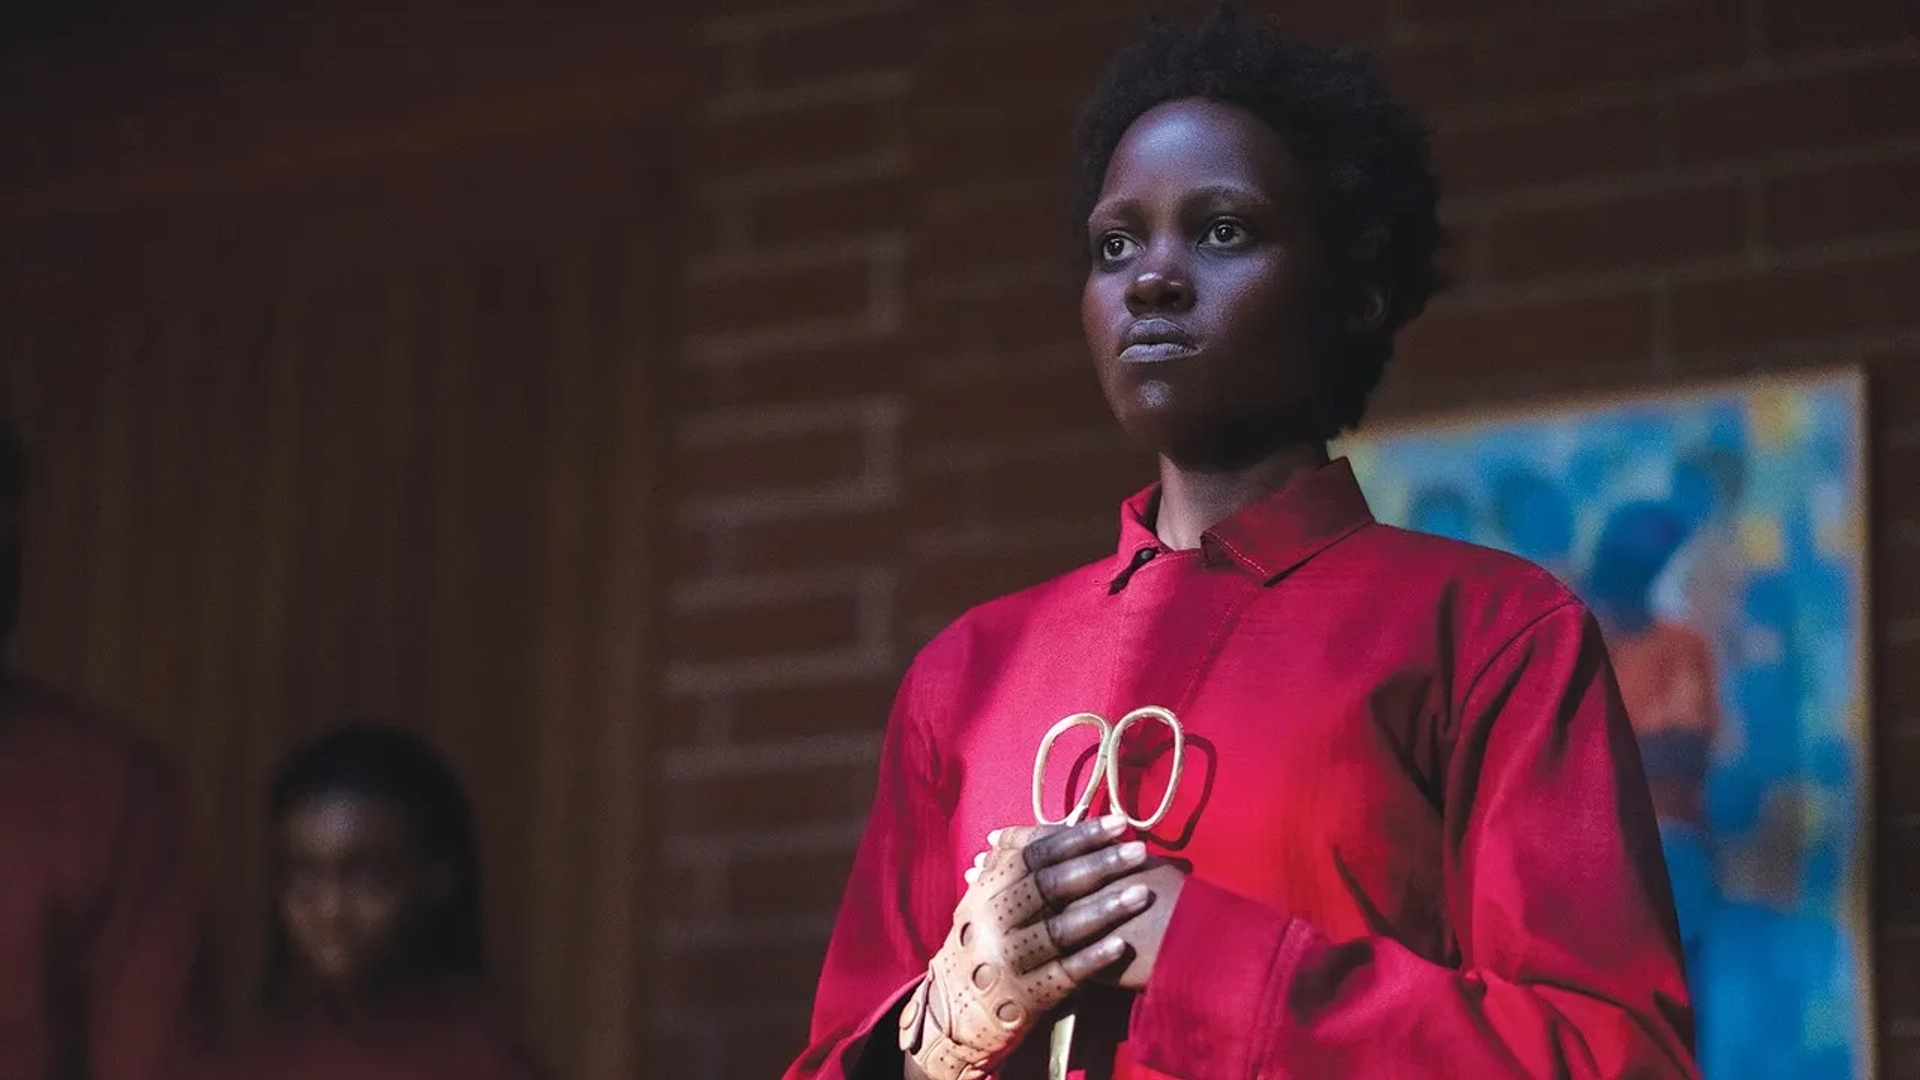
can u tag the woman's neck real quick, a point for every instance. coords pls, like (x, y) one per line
(1194, 500)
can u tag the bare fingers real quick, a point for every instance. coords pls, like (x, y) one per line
(1066, 864)
(1088, 963)
(1065, 883)
(1045, 845)
(1040, 846)
(1087, 921)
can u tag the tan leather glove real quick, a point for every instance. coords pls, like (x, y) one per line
(997, 975)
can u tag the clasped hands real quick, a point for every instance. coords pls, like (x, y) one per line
(1047, 909)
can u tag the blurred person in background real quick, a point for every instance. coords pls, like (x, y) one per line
(376, 961)
(1672, 695)
(1411, 834)
(100, 916)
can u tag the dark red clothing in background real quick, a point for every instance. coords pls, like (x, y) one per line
(99, 910)
(444, 1036)
(1420, 836)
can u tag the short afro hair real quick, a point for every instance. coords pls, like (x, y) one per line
(1365, 160)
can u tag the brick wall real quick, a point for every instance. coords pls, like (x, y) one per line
(885, 413)
(787, 541)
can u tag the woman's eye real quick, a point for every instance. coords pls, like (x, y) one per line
(1114, 246)
(1226, 234)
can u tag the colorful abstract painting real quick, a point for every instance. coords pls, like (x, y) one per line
(1719, 536)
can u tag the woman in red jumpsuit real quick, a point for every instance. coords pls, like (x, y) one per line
(1412, 837)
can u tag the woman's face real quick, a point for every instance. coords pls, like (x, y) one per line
(1197, 304)
(354, 885)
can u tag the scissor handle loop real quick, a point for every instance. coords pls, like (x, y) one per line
(1100, 763)
(1106, 766)
(1146, 712)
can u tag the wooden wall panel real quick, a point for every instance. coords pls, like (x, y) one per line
(354, 412)
(430, 500)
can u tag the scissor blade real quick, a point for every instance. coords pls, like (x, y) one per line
(1060, 1051)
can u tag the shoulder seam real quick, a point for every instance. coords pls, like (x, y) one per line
(1564, 604)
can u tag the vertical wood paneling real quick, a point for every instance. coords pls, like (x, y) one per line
(106, 577)
(628, 644)
(573, 440)
(342, 401)
(426, 499)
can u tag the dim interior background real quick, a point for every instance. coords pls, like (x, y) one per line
(620, 393)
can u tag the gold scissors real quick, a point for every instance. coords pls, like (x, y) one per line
(1106, 766)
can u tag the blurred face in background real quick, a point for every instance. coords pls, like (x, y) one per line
(355, 888)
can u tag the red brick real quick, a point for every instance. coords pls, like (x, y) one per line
(942, 587)
(759, 298)
(1056, 486)
(1896, 873)
(1900, 1045)
(1013, 323)
(994, 234)
(1779, 307)
(1479, 158)
(737, 146)
(682, 1053)
(696, 387)
(827, 539)
(804, 459)
(1447, 10)
(940, 502)
(1891, 468)
(766, 1049)
(1354, 22)
(1850, 200)
(1649, 230)
(1564, 55)
(843, 705)
(1024, 148)
(801, 213)
(732, 978)
(797, 374)
(1899, 970)
(1458, 344)
(1794, 26)
(678, 891)
(857, 43)
(1795, 114)
(787, 884)
(1038, 401)
(1893, 380)
(1896, 590)
(708, 68)
(766, 628)
(1042, 54)
(792, 711)
(683, 725)
(1434, 75)
(692, 551)
(794, 796)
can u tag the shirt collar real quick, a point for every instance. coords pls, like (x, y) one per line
(1268, 537)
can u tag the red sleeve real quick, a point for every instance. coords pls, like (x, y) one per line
(1570, 961)
(141, 1023)
(898, 904)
